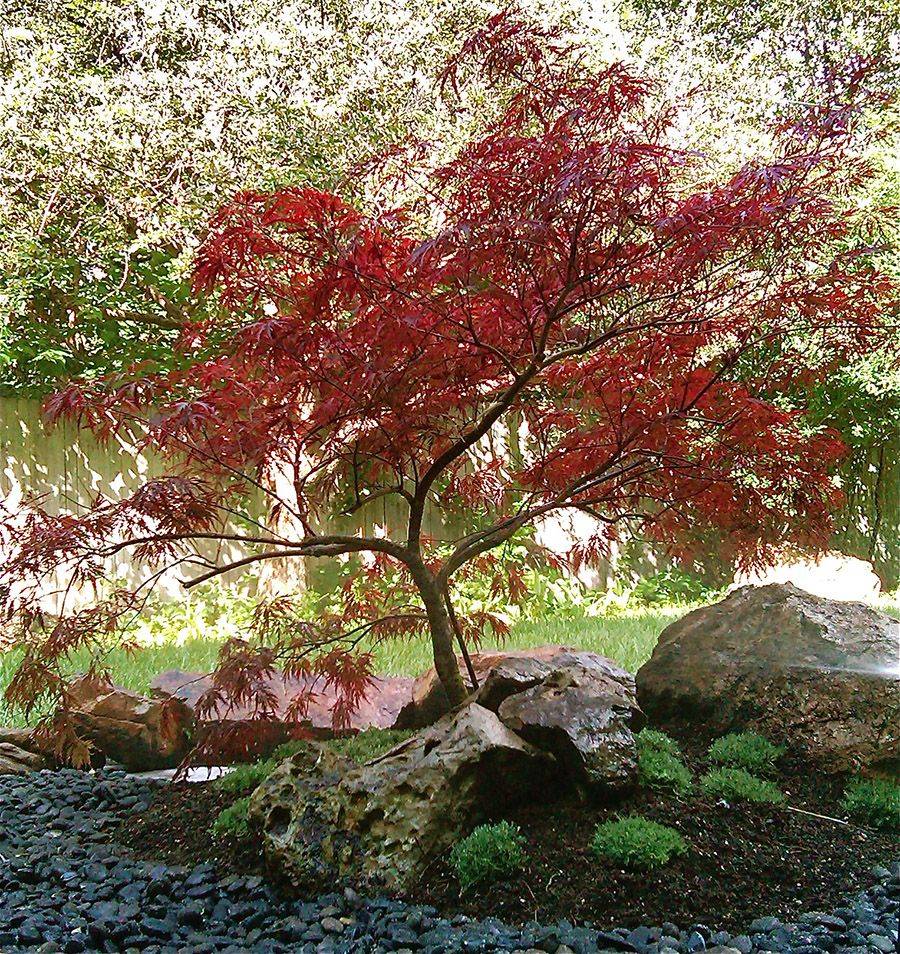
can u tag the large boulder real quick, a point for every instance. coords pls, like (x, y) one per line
(585, 718)
(577, 705)
(820, 675)
(140, 733)
(383, 822)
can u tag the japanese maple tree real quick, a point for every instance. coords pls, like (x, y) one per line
(570, 314)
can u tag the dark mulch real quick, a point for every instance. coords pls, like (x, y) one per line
(744, 861)
(176, 829)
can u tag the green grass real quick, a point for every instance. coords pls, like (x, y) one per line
(625, 636)
(739, 785)
(637, 842)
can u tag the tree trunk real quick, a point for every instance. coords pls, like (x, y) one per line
(442, 637)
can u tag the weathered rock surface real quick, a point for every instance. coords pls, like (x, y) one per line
(384, 821)
(577, 705)
(500, 674)
(140, 733)
(584, 716)
(18, 761)
(820, 675)
(379, 709)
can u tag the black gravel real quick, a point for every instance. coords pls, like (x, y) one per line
(64, 886)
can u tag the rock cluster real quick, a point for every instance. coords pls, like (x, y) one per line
(821, 675)
(538, 721)
(65, 888)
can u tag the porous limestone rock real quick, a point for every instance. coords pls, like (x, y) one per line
(383, 822)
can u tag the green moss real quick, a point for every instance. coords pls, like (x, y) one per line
(746, 750)
(873, 801)
(659, 762)
(637, 842)
(232, 821)
(361, 747)
(739, 785)
(244, 778)
(490, 853)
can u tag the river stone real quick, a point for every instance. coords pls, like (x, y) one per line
(140, 733)
(383, 822)
(820, 675)
(584, 716)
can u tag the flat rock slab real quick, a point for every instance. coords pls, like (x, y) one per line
(378, 710)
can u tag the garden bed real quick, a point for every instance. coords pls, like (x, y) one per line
(744, 861)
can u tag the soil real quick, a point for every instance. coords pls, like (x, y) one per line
(744, 861)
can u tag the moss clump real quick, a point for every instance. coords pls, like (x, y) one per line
(660, 764)
(232, 821)
(637, 842)
(746, 750)
(490, 853)
(741, 786)
(873, 801)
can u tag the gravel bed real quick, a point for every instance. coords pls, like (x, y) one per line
(65, 887)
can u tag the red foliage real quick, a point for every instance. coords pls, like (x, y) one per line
(576, 315)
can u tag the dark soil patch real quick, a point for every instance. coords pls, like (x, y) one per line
(744, 861)
(177, 830)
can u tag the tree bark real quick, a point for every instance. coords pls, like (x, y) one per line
(442, 636)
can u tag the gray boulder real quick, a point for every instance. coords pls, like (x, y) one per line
(820, 675)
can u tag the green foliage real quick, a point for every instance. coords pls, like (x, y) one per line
(874, 801)
(246, 777)
(490, 853)
(672, 586)
(739, 785)
(637, 842)
(746, 750)
(232, 821)
(361, 747)
(660, 764)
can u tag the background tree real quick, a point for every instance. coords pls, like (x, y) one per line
(572, 313)
(123, 123)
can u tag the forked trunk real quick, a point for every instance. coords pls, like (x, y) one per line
(442, 638)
